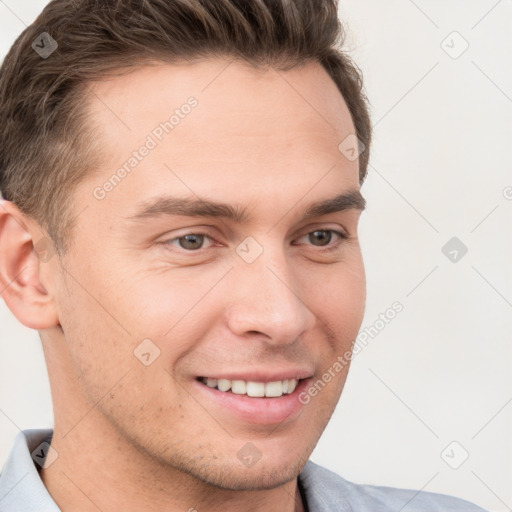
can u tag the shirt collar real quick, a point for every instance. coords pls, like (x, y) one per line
(21, 487)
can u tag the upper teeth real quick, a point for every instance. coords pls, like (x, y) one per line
(251, 388)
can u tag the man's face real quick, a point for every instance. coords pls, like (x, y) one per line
(275, 296)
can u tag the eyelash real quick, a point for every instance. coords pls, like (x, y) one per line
(330, 247)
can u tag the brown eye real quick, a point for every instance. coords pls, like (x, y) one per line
(323, 237)
(190, 242)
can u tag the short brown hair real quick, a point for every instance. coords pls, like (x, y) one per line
(46, 148)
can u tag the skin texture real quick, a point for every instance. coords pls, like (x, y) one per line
(135, 437)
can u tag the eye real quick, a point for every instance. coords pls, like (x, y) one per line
(323, 237)
(190, 242)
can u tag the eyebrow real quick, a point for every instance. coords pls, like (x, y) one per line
(169, 206)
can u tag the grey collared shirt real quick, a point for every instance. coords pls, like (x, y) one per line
(22, 490)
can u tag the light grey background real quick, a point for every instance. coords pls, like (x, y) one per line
(435, 380)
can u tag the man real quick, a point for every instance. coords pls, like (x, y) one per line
(181, 184)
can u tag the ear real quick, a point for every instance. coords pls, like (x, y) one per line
(25, 259)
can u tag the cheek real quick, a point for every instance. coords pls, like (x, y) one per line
(97, 339)
(349, 303)
(100, 353)
(337, 296)
(159, 301)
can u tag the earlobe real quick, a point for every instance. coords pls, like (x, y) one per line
(22, 261)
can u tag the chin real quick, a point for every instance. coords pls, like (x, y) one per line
(226, 471)
(258, 477)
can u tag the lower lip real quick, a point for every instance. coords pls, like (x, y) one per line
(256, 410)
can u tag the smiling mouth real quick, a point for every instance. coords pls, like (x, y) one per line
(252, 388)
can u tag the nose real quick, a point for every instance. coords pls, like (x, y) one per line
(267, 299)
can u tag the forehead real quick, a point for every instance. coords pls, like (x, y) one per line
(215, 126)
(234, 99)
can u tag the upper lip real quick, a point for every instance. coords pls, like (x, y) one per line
(262, 375)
